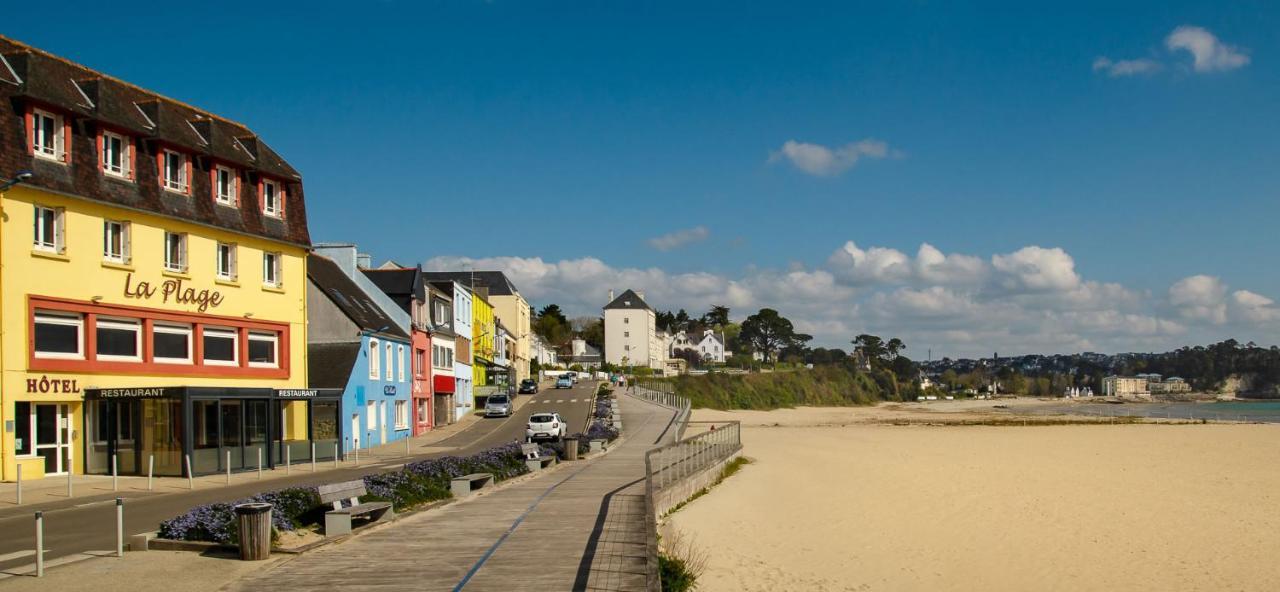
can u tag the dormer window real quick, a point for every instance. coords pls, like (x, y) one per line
(116, 157)
(272, 198)
(48, 136)
(226, 185)
(175, 171)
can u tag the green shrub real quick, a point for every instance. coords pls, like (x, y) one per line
(821, 386)
(675, 574)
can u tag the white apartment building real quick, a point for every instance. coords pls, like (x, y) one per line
(630, 332)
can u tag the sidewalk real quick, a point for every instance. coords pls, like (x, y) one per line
(52, 490)
(577, 528)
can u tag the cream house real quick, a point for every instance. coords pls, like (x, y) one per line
(630, 332)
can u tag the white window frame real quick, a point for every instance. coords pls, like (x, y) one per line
(375, 354)
(391, 363)
(49, 317)
(272, 207)
(372, 420)
(272, 337)
(56, 149)
(181, 265)
(182, 184)
(39, 239)
(126, 147)
(222, 333)
(232, 196)
(124, 256)
(402, 414)
(230, 273)
(134, 325)
(174, 329)
(272, 269)
(400, 367)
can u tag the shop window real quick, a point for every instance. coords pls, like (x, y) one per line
(402, 415)
(115, 241)
(175, 251)
(118, 339)
(49, 231)
(226, 186)
(263, 349)
(115, 155)
(175, 171)
(271, 269)
(391, 362)
(22, 445)
(171, 344)
(59, 335)
(374, 355)
(226, 261)
(401, 360)
(48, 136)
(221, 346)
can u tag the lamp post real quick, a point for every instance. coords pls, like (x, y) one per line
(20, 177)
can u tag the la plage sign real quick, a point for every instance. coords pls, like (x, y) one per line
(172, 290)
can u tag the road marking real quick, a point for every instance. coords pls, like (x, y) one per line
(19, 555)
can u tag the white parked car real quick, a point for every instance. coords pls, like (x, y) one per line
(545, 426)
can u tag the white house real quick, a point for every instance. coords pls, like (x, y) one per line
(543, 352)
(630, 332)
(710, 348)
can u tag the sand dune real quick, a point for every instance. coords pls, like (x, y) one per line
(876, 507)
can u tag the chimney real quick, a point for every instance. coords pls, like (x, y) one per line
(364, 261)
(610, 295)
(640, 293)
(344, 254)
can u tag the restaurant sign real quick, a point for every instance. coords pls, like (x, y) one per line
(297, 393)
(135, 393)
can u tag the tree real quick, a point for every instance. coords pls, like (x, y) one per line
(870, 346)
(768, 332)
(553, 311)
(718, 316)
(690, 356)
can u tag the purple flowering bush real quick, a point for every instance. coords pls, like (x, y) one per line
(295, 507)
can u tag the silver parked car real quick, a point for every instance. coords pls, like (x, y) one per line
(498, 406)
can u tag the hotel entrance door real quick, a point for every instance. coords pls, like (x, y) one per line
(52, 431)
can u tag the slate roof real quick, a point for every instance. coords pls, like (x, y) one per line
(496, 281)
(348, 297)
(629, 300)
(329, 364)
(401, 285)
(92, 101)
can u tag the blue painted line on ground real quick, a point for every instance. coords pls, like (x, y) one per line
(489, 553)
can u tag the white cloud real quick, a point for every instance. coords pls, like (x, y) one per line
(816, 159)
(679, 238)
(1030, 300)
(1037, 269)
(1208, 53)
(1122, 68)
(1200, 297)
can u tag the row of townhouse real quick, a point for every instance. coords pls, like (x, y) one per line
(162, 303)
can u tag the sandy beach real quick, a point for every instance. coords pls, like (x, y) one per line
(862, 505)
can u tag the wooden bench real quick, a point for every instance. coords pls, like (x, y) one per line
(534, 459)
(338, 520)
(468, 484)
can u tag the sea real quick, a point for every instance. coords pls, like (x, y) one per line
(1252, 411)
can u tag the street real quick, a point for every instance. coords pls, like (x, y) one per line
(85, 524)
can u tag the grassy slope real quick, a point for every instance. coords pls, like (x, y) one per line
(824, 385)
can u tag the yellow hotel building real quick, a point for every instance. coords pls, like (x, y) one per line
(484, 330)
(152, 283)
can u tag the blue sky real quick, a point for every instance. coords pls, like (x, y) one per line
(557, 140)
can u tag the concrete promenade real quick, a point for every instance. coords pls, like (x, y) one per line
(580, 527)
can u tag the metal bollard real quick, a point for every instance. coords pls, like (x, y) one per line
(119, 527)
(228, 467)
(259, 463)
(407, 451)
(288, 459)
(313, 457)
(191, 483)
(69, 492)
(357, 451)
(115, 476)
(151, 471)
(19, 491)
(39, 544)
(335, 455)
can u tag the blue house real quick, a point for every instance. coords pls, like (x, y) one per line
(354, 346)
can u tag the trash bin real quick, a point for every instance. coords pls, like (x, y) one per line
(254, 520)
(570, 448)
